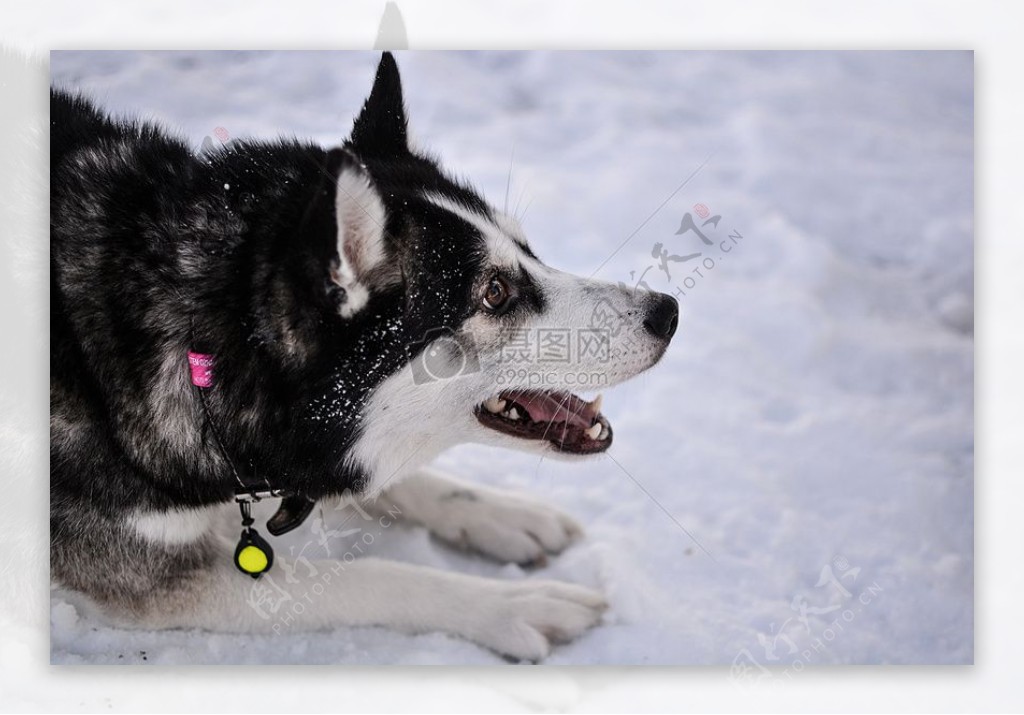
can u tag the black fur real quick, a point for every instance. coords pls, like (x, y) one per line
(155, 250)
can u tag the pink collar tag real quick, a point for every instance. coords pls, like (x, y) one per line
(201, 365)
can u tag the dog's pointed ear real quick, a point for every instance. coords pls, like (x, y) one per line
(362, 258)
(380, 128)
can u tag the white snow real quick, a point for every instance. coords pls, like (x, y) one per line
(816, 407)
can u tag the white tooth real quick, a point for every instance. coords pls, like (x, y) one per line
(512, 414)
(595, 431)
(596, 403)
(604, 434)
(495, 405)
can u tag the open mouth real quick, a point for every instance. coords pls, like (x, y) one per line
(568, 422)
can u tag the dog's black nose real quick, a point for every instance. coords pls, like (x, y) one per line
(662, 317)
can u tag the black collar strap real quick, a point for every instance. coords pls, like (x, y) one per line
(294, 508)
(253, 555)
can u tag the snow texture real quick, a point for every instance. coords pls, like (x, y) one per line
(811, 427)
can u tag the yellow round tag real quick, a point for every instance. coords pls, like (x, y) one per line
(252, 559)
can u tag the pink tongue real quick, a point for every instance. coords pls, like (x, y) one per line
(553, 407)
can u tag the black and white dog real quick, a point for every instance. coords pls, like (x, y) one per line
(355, 304)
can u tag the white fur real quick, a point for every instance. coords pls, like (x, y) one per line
(361, 221)
(518, 618)
(502, 250)
(176, 526)
(522, 619)
(404, 429)
(505, 526)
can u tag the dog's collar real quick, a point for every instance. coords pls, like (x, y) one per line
(290, 514)
(253, 555)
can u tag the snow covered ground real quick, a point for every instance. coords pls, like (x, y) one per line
(793, 485)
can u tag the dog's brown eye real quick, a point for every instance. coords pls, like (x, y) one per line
(496, 295)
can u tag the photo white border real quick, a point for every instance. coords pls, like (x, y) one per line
(990, 28)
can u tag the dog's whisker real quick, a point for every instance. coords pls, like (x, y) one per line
(519, 200)
(550, 424)
(508, 182)
(522, 218)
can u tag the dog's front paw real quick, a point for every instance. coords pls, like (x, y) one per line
(504, 526)
(528, 617)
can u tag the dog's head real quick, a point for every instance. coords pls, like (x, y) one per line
(463, 334)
